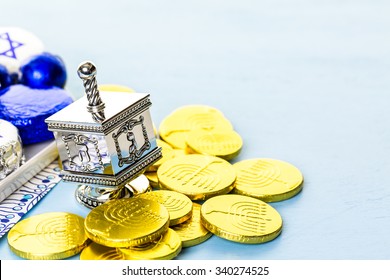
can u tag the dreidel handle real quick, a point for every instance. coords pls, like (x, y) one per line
(87, 72)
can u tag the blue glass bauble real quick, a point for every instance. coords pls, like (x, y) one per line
(5, 79)
(43, 71)
(27, 109)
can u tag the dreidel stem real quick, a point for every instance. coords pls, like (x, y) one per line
(87, 72)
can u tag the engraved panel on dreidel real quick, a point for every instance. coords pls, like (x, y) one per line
(135, 137)
(131, 141)
(84, 152)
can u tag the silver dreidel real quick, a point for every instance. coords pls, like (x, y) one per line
(104, 145)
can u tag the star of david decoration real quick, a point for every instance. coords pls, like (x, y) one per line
(12, 45)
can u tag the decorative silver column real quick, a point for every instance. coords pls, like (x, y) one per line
(87, 72)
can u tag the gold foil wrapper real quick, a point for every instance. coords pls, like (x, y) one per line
(127, 222)
(48, 236)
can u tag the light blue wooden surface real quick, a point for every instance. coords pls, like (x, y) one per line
(306, 82)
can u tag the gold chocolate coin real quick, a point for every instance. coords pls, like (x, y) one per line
(197, 176)
(115, 88)
(226, 144)
(49, 236)
(167, 153)
(175, 127)
(126, 222)
(95, 251)
(153, 180)
(267, 179)
(152, 175)
(179, 152)
(192, 232)
(178, 205)
(166, 247)
(241, 218)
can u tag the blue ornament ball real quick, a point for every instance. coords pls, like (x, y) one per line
(5, 79)
(43, 71)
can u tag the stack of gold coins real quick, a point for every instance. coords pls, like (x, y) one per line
(201, 129)
(167, 153)
(175, 127)
(137, 228)
(195, 129)
(204, 142)
(192, 232)
(166, 247)
(178, 205)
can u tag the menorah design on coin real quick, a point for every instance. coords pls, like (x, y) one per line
(48, 236)
(218, 142)
(249, 216)
(267, 179)
(173, 201)
(203, 120)
(59, 231)
(197, 176)
(127, 215)
(194, 176)
(261, 173)
(126, 222)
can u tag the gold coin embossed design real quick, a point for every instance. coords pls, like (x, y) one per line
(226, 144)
(152, 176)
(175, 127)
(178, 205)
(95, 251)
(192, 232)
(197, 176)
(166, 247)
(126, 222)
(167, 153)
(48, 236)
(241, 218)
(267, 179)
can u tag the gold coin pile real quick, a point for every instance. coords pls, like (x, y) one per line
(202, 130)
(136, 228)
(178, 205)
(192, 232)
(108, 244)
(197, 192)
(200, 143)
